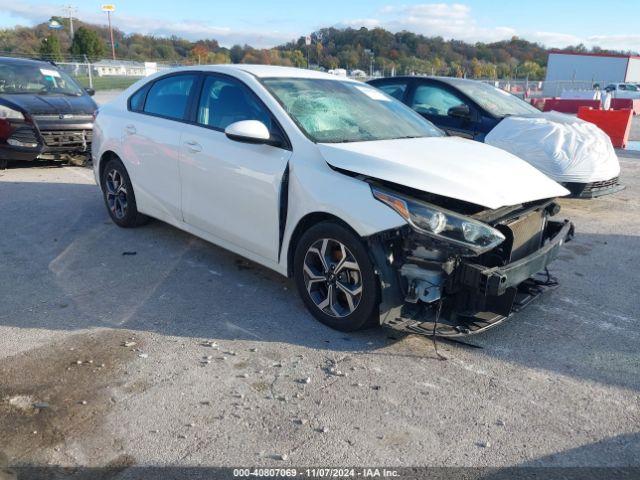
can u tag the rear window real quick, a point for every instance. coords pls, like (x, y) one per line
(395, 90)
(169, 97)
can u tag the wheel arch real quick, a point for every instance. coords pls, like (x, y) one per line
(104, 159)
(306, 222)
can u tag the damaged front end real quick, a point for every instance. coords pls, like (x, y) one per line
(451, 274)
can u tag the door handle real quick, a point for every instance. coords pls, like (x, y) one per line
(193, 146)
(131, 129)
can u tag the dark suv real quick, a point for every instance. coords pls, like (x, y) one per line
(44, 113)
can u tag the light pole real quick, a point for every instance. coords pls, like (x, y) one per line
(369, 52)
(110, 8)
(70, 9)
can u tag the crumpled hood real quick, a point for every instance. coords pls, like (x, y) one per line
(448, 166)
(51, 104)
(564, 147)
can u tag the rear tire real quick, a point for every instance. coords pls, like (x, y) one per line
(336, 278)
(119, 197)
(3, 164)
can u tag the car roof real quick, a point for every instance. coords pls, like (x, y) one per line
(269, 71)
(453, 81)
(22, 61)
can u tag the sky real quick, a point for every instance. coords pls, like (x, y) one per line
(265, 23)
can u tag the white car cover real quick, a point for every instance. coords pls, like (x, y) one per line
(564, 147)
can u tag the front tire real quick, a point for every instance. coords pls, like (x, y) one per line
(119, 197)
(336, 278)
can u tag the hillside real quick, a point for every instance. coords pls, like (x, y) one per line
(402, 52)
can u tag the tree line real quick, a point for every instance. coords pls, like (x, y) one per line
(365, 49)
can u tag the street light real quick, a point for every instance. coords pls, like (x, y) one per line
(369, 52)
(110, 7)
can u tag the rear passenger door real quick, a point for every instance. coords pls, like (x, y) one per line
(434, 102)
(151, 142)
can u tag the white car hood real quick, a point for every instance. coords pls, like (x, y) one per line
(563, 147)
(447, 166)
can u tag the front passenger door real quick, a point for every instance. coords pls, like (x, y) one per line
(444, 108)
(231, 189)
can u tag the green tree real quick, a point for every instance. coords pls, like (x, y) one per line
(87, 42)
(50, 48)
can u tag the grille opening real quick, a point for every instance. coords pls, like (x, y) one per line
(67, 140)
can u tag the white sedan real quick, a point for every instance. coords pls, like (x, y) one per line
(379, 217)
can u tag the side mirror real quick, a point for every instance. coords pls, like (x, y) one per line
(90, 91)
(460, 111)
(248, 131)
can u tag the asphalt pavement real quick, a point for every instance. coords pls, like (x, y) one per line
(148, 346)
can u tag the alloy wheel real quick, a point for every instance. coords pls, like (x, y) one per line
(332, 277)
(116, 194)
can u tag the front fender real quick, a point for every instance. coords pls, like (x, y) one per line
(321, 189)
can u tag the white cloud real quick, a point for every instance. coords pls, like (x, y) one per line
(456, 21)
(434, 19)
(187, 28)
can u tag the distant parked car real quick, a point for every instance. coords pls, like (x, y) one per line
(572, 152)
(378, 217)
(44, 113)
(623, 90)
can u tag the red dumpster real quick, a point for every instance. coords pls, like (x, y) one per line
(566, 105)
(615, 123)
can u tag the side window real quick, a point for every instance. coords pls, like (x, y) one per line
(434, 100)
(136, 101)
(169, 96)
(395, 90)
(225, 101)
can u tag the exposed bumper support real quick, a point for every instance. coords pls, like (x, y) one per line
(496, 281)
(477, 297)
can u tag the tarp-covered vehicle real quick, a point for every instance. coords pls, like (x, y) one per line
(573, 152)
(44, 113)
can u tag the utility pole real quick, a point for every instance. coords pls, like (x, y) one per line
(70, 10)
(110, 8)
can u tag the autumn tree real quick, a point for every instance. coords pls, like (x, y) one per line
(50, 48)
(87, 42)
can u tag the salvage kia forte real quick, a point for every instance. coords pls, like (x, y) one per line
(378, 217)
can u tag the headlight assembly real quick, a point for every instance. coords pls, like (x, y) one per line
(10, 114)
(442, 224)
